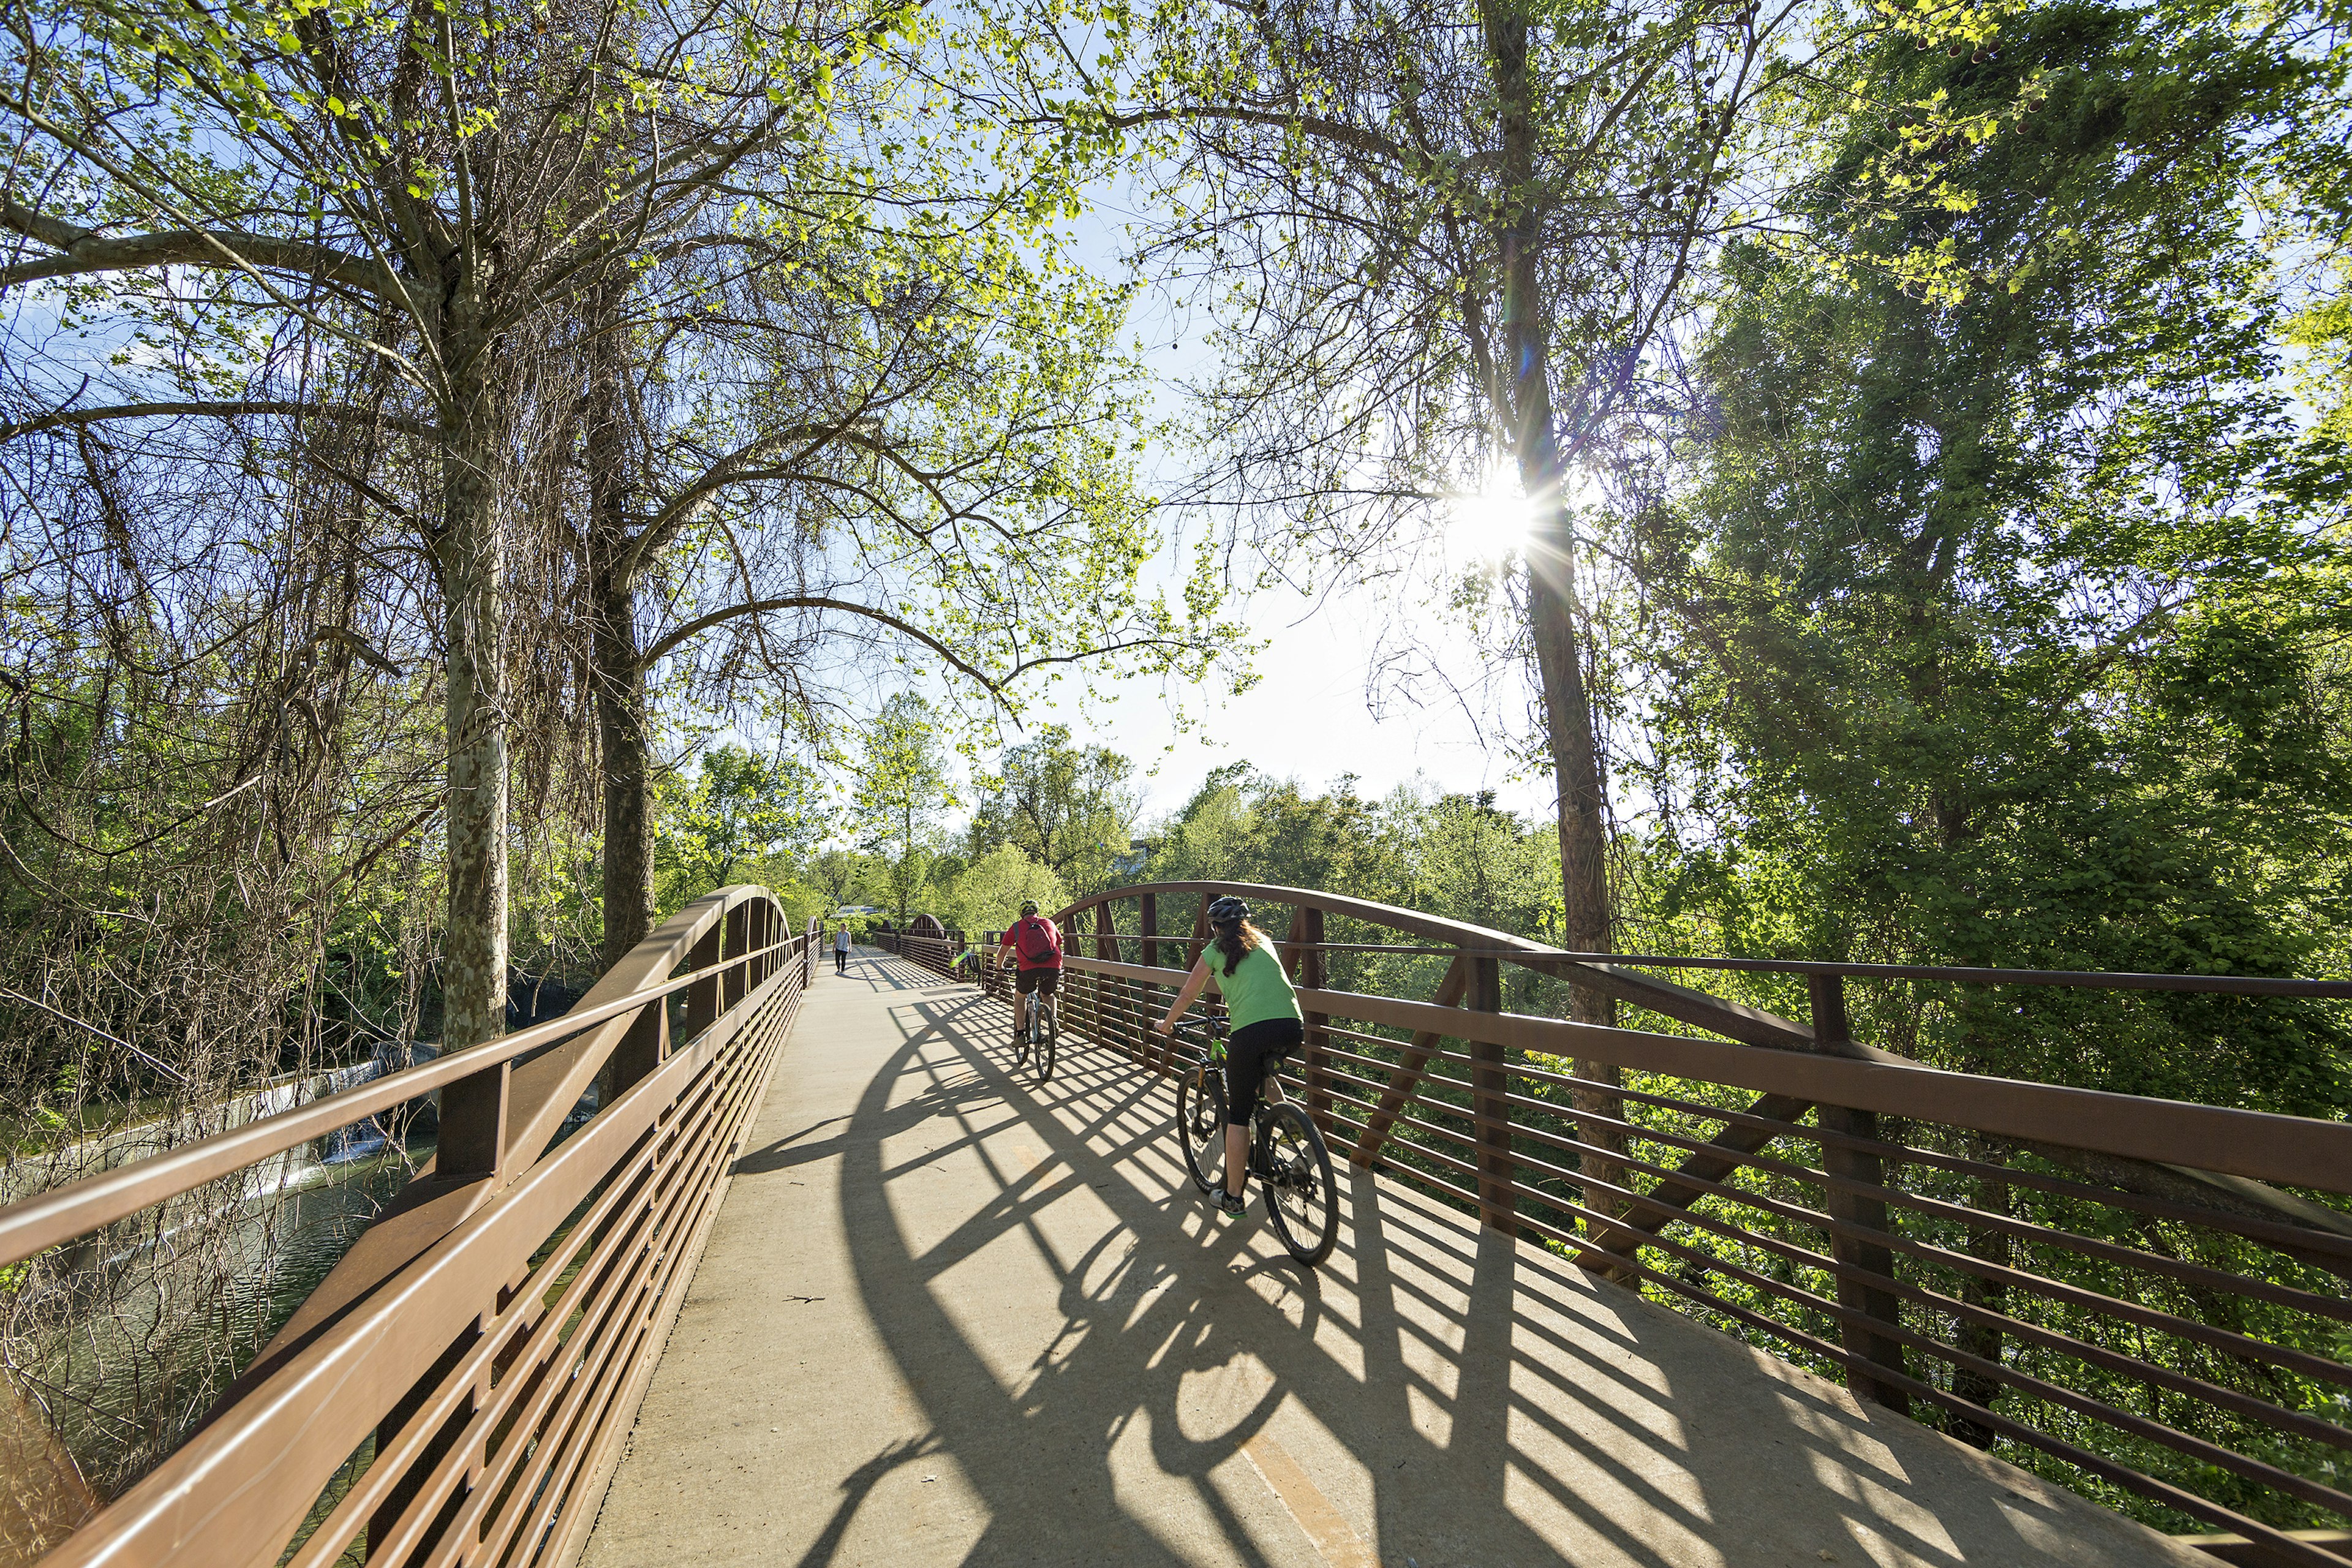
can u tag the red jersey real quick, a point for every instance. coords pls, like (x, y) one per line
(1032, 926)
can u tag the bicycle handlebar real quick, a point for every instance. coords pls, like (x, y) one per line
(1203, 1029)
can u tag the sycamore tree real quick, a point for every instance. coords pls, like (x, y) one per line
(1441, 235)
(719, 348)
(426, 192)
(1444, 247)
(874, 421)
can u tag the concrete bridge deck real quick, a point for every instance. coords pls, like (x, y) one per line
(946, 1317)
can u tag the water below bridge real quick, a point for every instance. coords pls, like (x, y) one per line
(946, 1316)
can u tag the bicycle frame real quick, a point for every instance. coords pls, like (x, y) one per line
(1206, 1033)
(1300, 1174)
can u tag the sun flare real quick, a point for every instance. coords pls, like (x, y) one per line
(1490, 523)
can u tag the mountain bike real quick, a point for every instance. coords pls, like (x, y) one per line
(1033, 1022)
(1286, 1153)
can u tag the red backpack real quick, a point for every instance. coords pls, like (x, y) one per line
(1036, 942)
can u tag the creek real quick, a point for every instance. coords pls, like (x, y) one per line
(116, 1346)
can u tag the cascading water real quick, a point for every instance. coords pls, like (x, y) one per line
(120, 1344)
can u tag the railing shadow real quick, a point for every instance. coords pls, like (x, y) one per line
(881, 971)
(1504, 1406)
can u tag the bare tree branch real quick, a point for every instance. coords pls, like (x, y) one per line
(71, 419)
(84, 250)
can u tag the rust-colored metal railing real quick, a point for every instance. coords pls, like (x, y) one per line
(936, 953)
(2132, 1295)
(457, 1388)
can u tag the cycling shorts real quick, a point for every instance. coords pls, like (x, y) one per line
(1250, 1055)
(1028, 980)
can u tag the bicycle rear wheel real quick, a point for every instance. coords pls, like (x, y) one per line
(1044, 1033)
(1301, 1194)
(1201, 1128)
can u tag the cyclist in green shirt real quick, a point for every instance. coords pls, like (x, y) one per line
(1263, 1010)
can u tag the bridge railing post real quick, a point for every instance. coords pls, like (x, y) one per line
(738, 943)
(1489, 1092)
(702, 997)
(1314, 974)
(641, 1049)
(1104, 988)
(473, 1116)
(1146, 925)
(1831, 1030)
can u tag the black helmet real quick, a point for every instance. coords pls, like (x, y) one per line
(1228, 911)
(1028, 906)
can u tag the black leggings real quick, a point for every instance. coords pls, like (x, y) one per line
(1250, 1055)
(841, 961)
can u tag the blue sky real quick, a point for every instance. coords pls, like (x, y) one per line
(1319, 710)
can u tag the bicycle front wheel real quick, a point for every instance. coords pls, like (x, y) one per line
(1044, 1039)
(1201, 1128)
(1299, 1192)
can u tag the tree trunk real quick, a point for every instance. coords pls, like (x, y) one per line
(1583, 830)
(623, 734)
(472, 564)
(1569, 724)
(617, 668)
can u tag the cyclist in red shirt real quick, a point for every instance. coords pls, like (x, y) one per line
(1036, 943)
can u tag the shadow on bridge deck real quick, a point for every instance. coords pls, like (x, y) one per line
(946, 1317)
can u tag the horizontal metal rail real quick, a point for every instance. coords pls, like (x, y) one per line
(33, 1227)
(2085, 979)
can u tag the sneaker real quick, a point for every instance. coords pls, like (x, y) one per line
(1229, 1205)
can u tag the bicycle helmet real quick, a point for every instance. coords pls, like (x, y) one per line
(1228, 911)
(1028, 906)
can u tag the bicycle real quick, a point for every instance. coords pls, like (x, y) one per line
(1038, 1006)
(1288, 1154)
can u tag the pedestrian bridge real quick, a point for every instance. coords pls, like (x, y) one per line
(828, 1281)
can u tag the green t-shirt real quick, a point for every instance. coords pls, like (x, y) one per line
(1256, 990)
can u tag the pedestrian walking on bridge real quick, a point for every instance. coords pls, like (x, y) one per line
(840, 948)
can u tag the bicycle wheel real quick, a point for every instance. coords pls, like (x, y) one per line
(1299, 1193)
(1043, 1035)
(1201, 1128)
